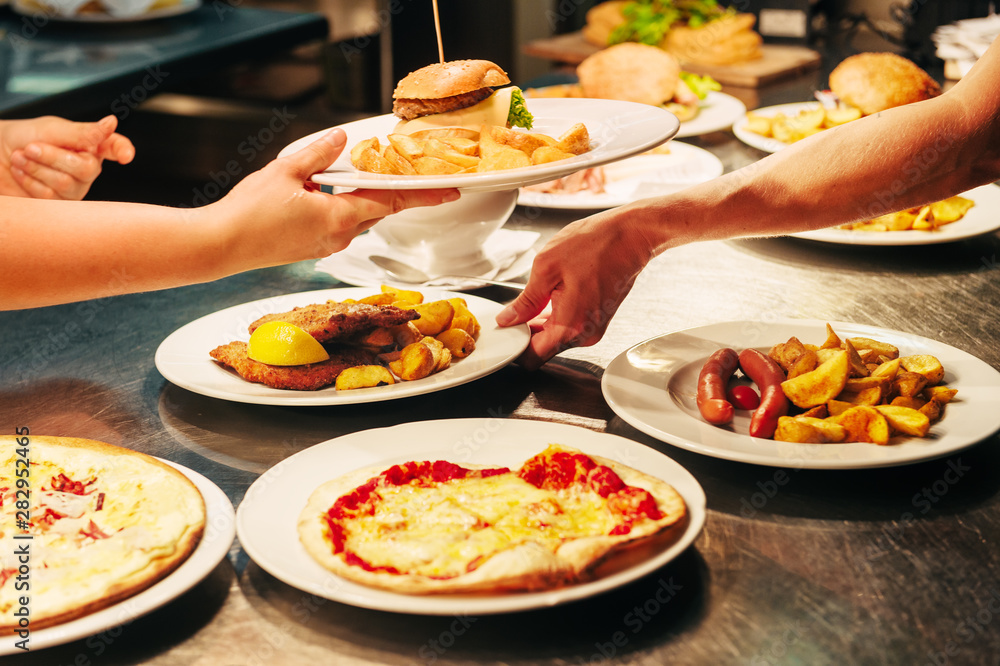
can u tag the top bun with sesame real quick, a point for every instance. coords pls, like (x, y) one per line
(875, 82)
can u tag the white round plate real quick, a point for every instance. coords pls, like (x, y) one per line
(652, 386)
(636, 178)
(982, 218)
(717, 112)
(266, 519)
(617, 130)
(768, 144)
(509, 248)
(220, 530)
(31, 9)
(182, 358)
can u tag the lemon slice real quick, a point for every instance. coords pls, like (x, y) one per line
(281, 343)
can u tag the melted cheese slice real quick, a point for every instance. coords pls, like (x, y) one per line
(439, 531)
(491, 111)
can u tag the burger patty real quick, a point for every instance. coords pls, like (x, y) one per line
(408, 109)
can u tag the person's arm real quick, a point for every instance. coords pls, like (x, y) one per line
(54, 158)
(63, 251)
(897, 159)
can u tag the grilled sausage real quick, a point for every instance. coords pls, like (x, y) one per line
(712, 382)
(768, 376)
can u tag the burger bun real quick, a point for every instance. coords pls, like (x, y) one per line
(874, 82)
(631, 72)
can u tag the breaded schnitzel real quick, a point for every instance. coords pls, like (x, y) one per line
(332, 321)
(308, 377)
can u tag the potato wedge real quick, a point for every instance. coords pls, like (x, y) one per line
(363, 376)
(404, 296)
(379, 339)
(832, 339)
(905, 419)
(435, 166)
(442, 356)
(503, 158)
(363, 145)
(857, 366)
(457, 341)
(819, 386)
(908, 384)
(415, 361)
(546, 154)
(406, 334)
(373, 162)
(941, 394)
(884, 348)
(464, 318)
(864, 424)
(435, 316)
(446, 132)
(830, 429)
(575, 140)
(793, 430)
(526, 142)
(440, 149)
(924, 364)
(408, 147)
(398, 162)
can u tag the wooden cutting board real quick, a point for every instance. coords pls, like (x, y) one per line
(778, 61)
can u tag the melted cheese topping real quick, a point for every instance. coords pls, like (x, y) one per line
(143, 514)
(447, 529)
(491, 111)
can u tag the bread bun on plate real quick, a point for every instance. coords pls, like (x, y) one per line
(458, 93)
(875, 82)
(641, 73)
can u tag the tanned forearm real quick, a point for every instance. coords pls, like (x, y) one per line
(897, 159)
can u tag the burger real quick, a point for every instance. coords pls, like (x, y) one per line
(636, 72)
(874, 82)
(458, 93)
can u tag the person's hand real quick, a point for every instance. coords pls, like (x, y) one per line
(55, 158)
(585, 270)
(277, 213)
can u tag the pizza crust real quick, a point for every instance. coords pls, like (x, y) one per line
(155, 516)
(524, 567)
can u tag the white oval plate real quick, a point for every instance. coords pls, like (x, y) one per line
(266, 519)
(768, 144)
(652, 386)
(637, 178)
(182, 358)
(982, 218)
(617, 130)
(220, 530)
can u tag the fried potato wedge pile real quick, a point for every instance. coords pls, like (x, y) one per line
(925, 218)
(789, 129)
(858, 390)
(452, 150)
(445, 330)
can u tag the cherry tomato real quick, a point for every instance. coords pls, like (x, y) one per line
(743, 397)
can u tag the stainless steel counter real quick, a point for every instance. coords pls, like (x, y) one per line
(836, 567)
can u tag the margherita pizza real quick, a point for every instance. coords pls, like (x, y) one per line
(437, 527)
(85, 524)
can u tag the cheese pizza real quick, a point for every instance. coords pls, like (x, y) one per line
(436, 527)
(85, 524)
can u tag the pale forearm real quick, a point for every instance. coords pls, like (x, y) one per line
(58, 251)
